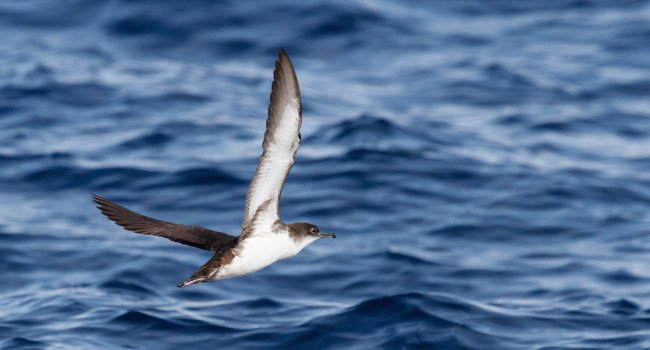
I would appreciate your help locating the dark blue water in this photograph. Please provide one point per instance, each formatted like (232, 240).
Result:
(485, 164)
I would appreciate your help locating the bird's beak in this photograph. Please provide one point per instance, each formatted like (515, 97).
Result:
(327, 235)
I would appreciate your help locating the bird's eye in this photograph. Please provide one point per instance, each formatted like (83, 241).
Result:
(314, 230)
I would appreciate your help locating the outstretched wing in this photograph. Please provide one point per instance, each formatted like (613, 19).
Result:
(194, 236)
(281, 142)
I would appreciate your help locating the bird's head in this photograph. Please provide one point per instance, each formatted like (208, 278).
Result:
(308, 231)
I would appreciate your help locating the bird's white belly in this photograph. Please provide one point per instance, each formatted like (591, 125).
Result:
(259, 252)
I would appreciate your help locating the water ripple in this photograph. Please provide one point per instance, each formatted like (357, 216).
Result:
(484, 165)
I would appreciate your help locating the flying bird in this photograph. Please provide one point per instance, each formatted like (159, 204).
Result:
(264, 238)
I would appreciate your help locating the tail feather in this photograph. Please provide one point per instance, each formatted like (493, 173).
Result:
(204, 273)
(190, 281)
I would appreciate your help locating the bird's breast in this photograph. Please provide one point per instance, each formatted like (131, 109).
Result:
(258, 252)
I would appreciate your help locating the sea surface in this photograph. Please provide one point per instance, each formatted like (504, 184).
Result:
(485, 165)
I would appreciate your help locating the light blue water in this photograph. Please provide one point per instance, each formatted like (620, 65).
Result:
(485, 164)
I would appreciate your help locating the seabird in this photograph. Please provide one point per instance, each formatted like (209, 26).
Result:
(264, 238)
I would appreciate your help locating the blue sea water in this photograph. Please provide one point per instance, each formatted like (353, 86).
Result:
(485, 164)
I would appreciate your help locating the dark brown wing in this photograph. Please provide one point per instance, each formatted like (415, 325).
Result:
(194, 236)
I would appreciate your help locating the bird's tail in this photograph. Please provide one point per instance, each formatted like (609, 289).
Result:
(205, 273)
(192, 280)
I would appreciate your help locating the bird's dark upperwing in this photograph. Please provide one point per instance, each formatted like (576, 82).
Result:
(281, 142)
(194, 236)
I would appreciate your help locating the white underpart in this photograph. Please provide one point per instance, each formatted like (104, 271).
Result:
(278, 158)
(260, 251)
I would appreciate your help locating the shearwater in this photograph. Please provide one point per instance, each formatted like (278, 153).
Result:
(264, 238)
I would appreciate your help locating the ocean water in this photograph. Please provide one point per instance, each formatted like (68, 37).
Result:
(485, 165)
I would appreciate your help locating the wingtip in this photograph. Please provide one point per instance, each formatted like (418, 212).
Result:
(105, 206)
(283, 56)
(100, 202)
(96, 198)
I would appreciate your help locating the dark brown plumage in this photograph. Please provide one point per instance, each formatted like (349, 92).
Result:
(195, 236)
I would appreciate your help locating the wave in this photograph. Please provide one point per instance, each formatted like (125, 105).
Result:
(105, 178)
(370, 133)
(483, 164)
